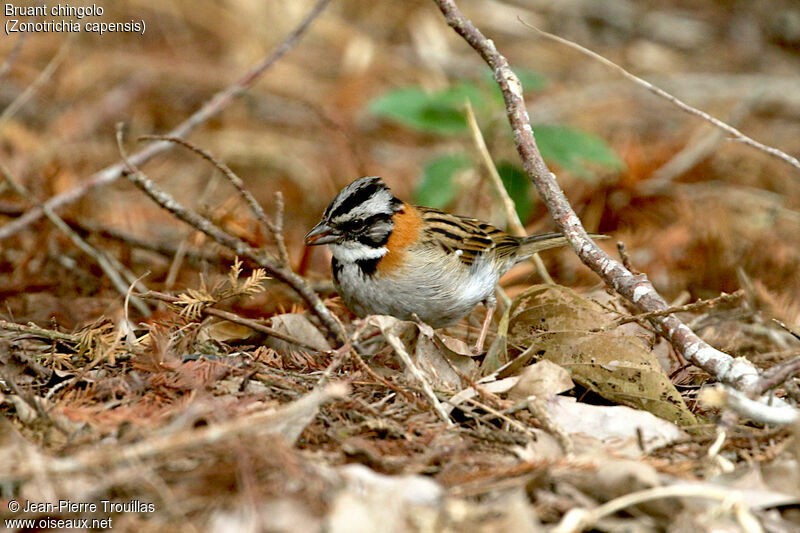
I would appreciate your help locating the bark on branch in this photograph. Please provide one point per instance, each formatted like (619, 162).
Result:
(737, 372)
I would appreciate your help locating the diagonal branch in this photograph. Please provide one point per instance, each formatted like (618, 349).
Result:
(217, 103)
(271, 226)
(238, 246)
(727, 128)
(636, 288)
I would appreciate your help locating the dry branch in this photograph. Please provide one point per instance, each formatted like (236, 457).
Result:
(272, 227)
(217, 103)
(233, 317)
(238, 246)
(636, 288)
(725, 397)
(36, 331)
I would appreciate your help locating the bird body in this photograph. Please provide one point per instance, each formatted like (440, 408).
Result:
(393, 258)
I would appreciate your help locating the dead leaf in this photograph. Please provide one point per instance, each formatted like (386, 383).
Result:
(555, 322)
(543, 379)
(376, 502)
(616, 429)
(439, 357)
(224, 330)
(298, 327)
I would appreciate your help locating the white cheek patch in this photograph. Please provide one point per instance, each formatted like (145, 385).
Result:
(349, 252)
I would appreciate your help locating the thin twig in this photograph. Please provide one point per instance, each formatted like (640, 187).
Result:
(36, 331)
(238, 246)
(236, 319)
(237, 182)
(383, 381)
(508, 204)
(626, 260)
(778, 374)
(694, 306)
(167, 250)
(40, 80)
(400, 350)
(698, 148)
(787, 328)
(12, 56)
(721, 396)
(635, 288)
(504, 417)
(727, 128)
(216, 104)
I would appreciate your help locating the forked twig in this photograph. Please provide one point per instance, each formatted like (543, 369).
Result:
(694, 306)
(238, 246)
(217, 103)
(236, 181)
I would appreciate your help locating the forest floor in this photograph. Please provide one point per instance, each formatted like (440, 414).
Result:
(152, 378)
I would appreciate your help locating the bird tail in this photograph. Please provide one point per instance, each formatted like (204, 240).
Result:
(536, 243)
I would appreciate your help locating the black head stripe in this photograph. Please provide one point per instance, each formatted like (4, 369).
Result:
(354, 195)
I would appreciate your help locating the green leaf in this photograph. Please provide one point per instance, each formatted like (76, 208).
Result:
(440, 112)
(518, 186)
(436, 188)
(575, 150)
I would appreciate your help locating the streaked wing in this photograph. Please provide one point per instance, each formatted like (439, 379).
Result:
(465, 236)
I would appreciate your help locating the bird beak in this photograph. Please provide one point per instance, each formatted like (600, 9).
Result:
(321, 234)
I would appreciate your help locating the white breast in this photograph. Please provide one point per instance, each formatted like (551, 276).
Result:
(438, 289)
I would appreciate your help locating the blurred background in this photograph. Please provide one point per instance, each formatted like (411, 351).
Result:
(379, 89)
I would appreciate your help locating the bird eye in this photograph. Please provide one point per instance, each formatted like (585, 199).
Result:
(358, 222)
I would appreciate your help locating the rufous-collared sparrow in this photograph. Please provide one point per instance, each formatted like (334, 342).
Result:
(393, 258)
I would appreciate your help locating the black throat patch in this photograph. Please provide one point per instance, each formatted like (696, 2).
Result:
(368, 266)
